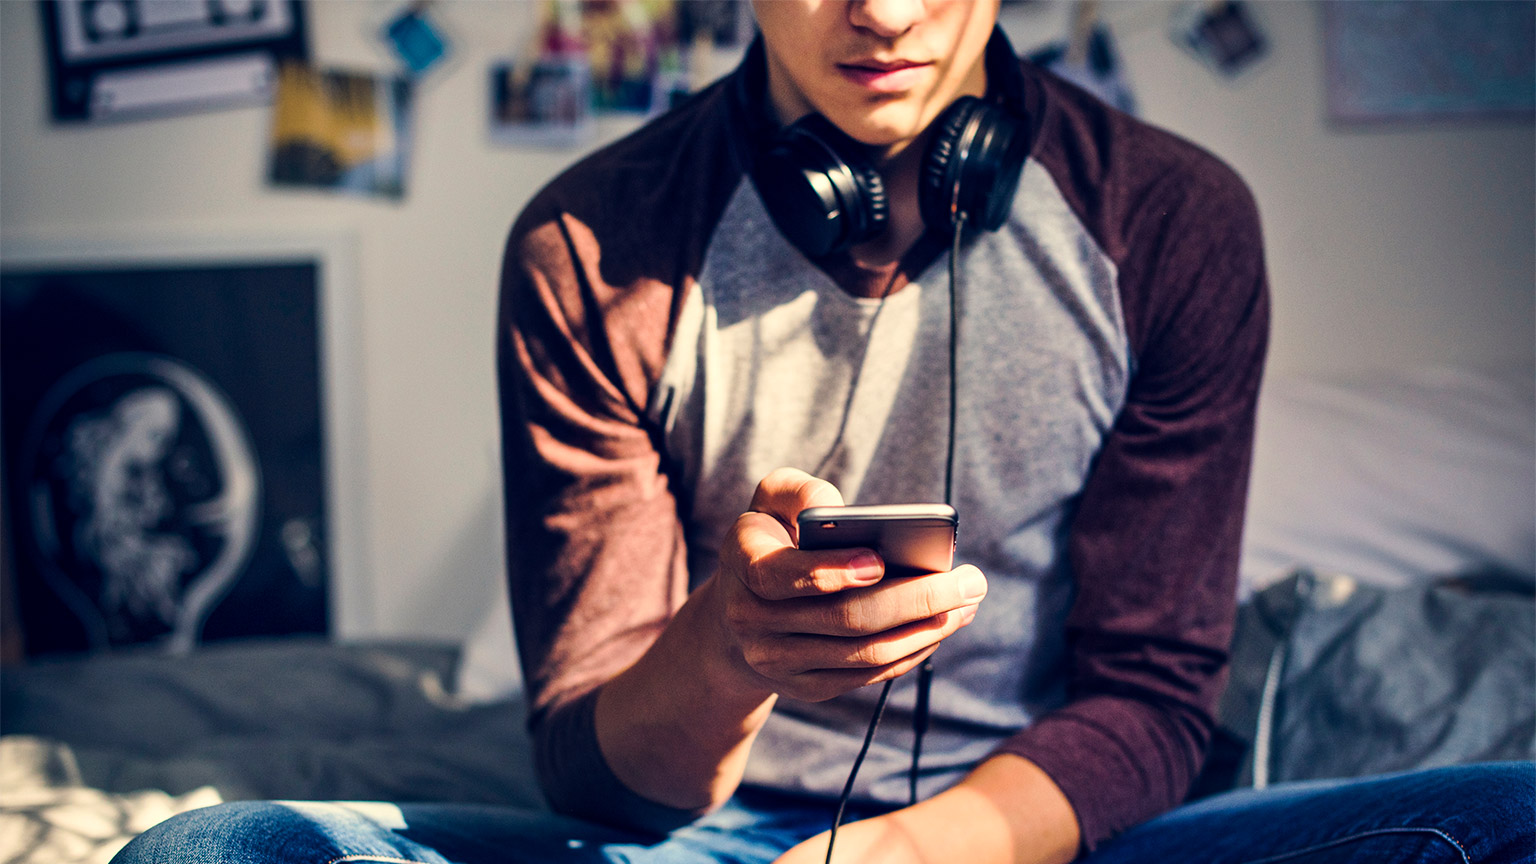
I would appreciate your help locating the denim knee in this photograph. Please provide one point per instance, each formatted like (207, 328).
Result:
(1465, 813)
(204, 835)
(1494, 812)
(273, 832)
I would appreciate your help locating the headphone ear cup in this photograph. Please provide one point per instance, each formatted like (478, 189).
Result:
(972, 166)
(936, 199)
(821, 190)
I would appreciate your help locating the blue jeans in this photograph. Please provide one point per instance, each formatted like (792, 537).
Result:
(1475, 813)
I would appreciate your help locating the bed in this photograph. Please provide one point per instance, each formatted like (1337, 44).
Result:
(1387, 622)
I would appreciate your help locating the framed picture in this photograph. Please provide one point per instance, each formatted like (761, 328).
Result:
(1412, 60)
(122, 59)
(181, 456)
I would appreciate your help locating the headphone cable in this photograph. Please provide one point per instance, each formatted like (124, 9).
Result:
(954, 359)
(925, 671)
(869, 736)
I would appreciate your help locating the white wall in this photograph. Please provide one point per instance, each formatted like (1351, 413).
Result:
(1411, 246)
(1387, 247)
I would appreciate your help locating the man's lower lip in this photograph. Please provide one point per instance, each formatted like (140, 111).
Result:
(883, 80)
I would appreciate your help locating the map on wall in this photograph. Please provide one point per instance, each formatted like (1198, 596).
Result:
(1406, 60)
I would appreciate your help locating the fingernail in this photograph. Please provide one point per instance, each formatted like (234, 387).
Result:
(866, 567)
(967, 615)
(973, 585)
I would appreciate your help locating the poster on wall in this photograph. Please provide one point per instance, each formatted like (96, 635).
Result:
(163, 454)
(124, 59)
(1412, 60)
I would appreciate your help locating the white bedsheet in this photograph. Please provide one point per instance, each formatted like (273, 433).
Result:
(49, 814)
(1393, 477)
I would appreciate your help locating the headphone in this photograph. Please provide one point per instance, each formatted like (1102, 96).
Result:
(825, 194)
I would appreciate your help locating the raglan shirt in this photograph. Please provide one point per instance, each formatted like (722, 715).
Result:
(661, 347)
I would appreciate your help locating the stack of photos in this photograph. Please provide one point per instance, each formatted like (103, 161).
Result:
(607, 56)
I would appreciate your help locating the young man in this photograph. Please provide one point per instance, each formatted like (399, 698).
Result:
(666, 349)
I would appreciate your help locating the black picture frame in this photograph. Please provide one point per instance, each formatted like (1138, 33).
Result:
(130, 59)
(215, 346)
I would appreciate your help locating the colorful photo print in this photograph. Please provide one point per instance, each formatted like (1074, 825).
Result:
(628, 42)
(341, 130)
(417, 38)
(543, 103)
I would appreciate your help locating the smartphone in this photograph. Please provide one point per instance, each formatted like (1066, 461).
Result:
(912, 539)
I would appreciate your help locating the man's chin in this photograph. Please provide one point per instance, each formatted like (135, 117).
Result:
(885, 126)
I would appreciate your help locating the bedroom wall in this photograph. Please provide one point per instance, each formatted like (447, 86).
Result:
(1393, 247)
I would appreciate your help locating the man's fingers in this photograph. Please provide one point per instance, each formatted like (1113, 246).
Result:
(799, 654)
(773, 570)
(890, 604)
(787, 491)
(820, 685)
(763, 555)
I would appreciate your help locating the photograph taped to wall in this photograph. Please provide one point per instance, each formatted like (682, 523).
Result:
(124, 59)
(1224, 35)
(543, 103)
(417, 38)
(629, 42)
(164, 458)
(721, 23)
(346, 131)
(1096, 67)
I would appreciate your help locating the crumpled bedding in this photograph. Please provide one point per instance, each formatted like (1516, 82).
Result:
(49, 814)
(1332, 677)
(95, 751)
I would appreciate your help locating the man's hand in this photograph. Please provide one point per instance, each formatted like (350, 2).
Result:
(812, 625)
(1006, 812)
(677, 726)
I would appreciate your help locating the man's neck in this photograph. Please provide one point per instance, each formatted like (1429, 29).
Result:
(904, 221)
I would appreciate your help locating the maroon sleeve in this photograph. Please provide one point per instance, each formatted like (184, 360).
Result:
(1155, 540)
(594, 548)
(593, 278)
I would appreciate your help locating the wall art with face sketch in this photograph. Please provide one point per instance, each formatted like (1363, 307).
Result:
(163, 454)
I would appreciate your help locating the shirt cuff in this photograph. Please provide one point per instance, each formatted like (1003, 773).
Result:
(578, 782)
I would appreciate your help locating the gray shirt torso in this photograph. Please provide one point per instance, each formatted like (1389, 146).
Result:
(765, 371)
